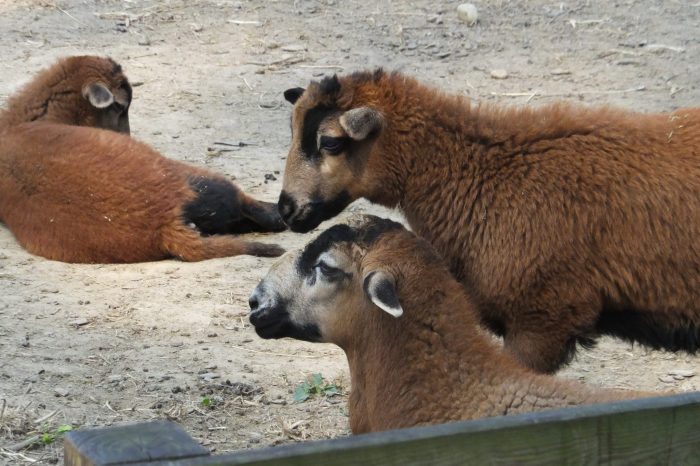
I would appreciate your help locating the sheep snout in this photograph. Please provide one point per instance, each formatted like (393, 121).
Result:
(306, 217)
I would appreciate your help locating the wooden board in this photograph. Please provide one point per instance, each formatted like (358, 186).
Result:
(150, 441)
(653, 431)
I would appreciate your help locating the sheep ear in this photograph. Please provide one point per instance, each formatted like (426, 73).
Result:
(381, 290)
(360, 122)
(293, 94)
(98, 95)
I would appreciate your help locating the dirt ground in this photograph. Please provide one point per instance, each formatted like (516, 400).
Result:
(96, 345)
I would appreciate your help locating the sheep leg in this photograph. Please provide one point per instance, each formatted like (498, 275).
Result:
(540, 350)
(546, 330)
(189, 246)
(264, 215)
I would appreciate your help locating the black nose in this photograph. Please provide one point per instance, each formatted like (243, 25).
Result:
(253, 303)
(286, 206)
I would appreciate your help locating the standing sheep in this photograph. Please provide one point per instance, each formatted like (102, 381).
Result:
(423, 361)
(565, 222)
(72, 192)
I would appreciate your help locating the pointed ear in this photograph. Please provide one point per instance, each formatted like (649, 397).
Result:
(380, 289)
(293, 94)
(360, 122)
(98, 95)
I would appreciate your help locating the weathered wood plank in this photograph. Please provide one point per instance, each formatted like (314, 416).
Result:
(654, 431)
(152, 441)
(651, 431)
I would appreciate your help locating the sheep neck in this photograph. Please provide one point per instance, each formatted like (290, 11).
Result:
(33, 102)
(417, 368)
(434, 364)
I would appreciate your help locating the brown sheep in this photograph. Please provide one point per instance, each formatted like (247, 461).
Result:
(81, 91)
(423, 361)
(82, 194)
(564, 222)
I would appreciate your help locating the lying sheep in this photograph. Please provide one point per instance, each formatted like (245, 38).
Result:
(75, 193)
(424, 360)
(566, 222)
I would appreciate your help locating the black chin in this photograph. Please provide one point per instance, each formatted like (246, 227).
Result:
(283, 328)
(316, 212)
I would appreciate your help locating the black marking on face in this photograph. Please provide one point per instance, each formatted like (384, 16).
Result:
(309, 256)
(309, 216)
(330, 85)
(286, 205)
(275, 322)
(309, 131)
(116, 67)
(374, 227)
(292, 95)
(216, 209)
(129, 92)
(365, 235)
(332, 145)
(330, 273)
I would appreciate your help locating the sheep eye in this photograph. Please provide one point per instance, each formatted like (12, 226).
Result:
(333, 146)
(328, 271)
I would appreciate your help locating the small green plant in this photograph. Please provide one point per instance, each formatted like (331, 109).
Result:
(211, 401)
(50, 436)
(314, 385)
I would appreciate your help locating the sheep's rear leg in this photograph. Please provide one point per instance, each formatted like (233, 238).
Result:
(189, 246)
(264, 215)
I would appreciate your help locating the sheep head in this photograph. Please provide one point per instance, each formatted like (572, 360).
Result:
(105, 91)
(335, 129)
(79, 90)
(338, 282)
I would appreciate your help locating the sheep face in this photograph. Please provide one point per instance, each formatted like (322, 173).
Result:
(106, 94)
(328, 161)
(320, 293)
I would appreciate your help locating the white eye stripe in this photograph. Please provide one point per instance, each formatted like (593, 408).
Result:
(327, 259)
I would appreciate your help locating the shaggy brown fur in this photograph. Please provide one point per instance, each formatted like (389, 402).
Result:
(60, 94)
(432, 364)
(565, 222)
(81, 194)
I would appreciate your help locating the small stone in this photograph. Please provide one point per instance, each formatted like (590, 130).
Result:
(255, 437)
(683, 373)
(209, 375)
(468, 14)
(80, 322)
(60, 391)
(196, 27)
(293, 48)
(667, 379)
(144, 40)
(176, 389)
(499, 74)
(559, 72)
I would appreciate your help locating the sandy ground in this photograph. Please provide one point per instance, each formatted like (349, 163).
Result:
(94, 345)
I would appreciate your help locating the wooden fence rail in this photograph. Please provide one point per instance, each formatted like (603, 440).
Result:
(653, 431)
